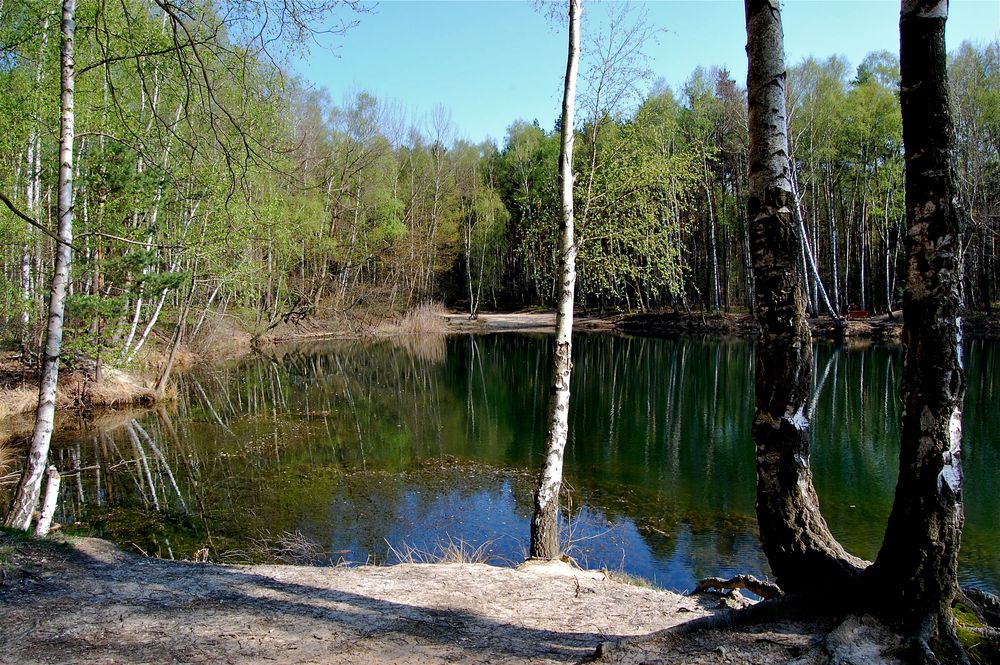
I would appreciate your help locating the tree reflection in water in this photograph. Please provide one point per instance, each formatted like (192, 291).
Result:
(359, 444)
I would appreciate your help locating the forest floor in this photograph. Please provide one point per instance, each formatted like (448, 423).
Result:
(85, 601)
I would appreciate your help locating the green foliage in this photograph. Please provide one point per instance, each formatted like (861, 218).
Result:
(166, 280)
(86, 306)
(266, 195)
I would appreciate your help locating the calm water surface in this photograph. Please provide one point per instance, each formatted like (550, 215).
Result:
(369, 449)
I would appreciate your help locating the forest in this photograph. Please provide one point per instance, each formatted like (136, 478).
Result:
(162, 170)
(209, 180)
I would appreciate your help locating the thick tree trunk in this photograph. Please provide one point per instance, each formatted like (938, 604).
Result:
(802, 553)
(26, 496)
(545, 523)
(915, 573)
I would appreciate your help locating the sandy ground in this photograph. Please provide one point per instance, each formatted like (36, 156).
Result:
(86, 601)
(89, 602)
(521, 322)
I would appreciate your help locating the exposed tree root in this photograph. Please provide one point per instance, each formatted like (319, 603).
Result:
(939, 630)
(763, 611)
(985, 631)
(858, 638)
(766, 590)
(985, 605)
(980, 637)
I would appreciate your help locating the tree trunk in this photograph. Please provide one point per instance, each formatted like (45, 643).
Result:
(26, 495)
(810, 258)
(802, 553)
(545, 523)
(50, 502)
(831, 211)
(915, 573)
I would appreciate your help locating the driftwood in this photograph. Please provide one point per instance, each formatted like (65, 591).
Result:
(764, 589)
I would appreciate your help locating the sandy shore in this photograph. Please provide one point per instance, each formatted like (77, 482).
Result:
(89, 602)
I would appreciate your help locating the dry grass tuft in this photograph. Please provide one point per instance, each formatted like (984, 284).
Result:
(286, 548)
(454, 551)
(420, 331)
(7, 457)
(424, 319)
(77, 389)
(17, 400)
(117, 389)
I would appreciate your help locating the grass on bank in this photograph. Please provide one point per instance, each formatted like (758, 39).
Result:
(425, 319)
(455, 550)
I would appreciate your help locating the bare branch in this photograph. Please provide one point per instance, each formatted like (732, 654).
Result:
(41, 227)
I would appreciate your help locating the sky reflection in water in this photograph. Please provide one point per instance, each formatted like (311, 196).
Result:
(421, 442)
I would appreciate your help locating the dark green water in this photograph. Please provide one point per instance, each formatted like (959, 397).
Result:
(360, 446)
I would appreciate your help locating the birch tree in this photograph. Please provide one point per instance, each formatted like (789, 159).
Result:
(799, 546)
(545, 522)
(915, 576)
(29, 486)
(916, 572)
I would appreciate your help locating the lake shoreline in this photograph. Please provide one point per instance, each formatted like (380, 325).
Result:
(444, 629)
(85, 600)
(884, 328)
(121, 389)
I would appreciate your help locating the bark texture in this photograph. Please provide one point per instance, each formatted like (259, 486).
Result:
(28, 488)
(545, 522)
(803, 554)
(915, 574)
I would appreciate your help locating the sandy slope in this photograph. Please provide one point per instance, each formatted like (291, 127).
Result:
(92, 603)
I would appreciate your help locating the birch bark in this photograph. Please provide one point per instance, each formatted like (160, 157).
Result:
(28, 488)
(802, 552)
(545, 523)
(916, 569)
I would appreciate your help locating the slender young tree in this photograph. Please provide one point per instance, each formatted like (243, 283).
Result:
(545, 523)
(802, 552)
(26, 495)
(916, 572)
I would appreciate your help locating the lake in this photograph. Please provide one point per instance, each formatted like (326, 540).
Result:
(376, 451)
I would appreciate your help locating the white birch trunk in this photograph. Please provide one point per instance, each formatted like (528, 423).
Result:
(26, 496)
(51, 499)
(163, 293)
(33, 194)
(545, 523)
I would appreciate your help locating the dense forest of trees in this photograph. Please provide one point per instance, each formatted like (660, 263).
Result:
(173, 171)
(208, 181)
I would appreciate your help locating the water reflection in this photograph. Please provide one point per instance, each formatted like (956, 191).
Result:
(361, 445)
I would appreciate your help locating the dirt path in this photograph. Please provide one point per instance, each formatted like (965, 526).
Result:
(91, 603)
(522, 322)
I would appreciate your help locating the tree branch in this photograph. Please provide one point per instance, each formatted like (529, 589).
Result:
(14, 209)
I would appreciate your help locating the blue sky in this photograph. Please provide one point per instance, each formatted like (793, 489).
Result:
(491, 62)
